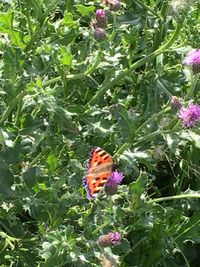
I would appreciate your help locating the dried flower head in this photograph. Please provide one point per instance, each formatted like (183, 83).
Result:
(112, 238)
(175, 102)
(109, 261)
(99, 34)
(190, 115)
(101, 18)
(180, 6)
(193, 59)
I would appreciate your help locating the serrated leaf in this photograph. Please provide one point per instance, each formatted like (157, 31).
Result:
(85, 11)
(6, 26)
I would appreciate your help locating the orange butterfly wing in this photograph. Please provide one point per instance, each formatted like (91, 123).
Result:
(98, 171)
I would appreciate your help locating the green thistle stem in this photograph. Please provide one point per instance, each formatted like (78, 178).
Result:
(141, 3)
(114, 27)
(182, 196)
(11, 107)
(194, 80)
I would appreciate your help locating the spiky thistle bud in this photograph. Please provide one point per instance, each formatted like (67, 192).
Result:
(99, 34)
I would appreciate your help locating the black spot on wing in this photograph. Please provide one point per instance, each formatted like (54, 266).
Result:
(102, 183)
(96, 191)
(98, 149)
(103, 154)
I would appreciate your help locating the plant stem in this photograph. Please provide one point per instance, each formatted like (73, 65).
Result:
(11, 107)
(59, 78)
(188, 229)
(121, 150)
(114, 27)
(141, 3)
(194, 80)
(182, 196)
(18, 113)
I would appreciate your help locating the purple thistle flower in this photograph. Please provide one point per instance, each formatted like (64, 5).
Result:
(112, 238)
(190, 115)
(193, 59)
(99, 34)
(115, 179)
(113, 182)
(101, 18)
(115, 238)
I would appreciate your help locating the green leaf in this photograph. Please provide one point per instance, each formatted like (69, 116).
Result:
(136, 189)
(30, 176)
(52, 161)
(85, 11)
(6, 26)
(6, 181)
(68, 20)
(66, 57)
(63, 115)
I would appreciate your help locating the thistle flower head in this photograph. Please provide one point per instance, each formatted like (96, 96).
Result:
(115, 179)
(112, 238)
(101, 18)
(100, 13)
(113, 182)
(115, 238)
(99, 34)
(190, 115)
(193, 59)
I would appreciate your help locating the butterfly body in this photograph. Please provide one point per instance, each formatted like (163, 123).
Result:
(98, 171)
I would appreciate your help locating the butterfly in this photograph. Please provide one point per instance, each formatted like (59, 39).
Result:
(98, 171)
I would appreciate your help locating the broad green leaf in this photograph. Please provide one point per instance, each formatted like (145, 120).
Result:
(6, 182)
(85, 11)
(66, 58)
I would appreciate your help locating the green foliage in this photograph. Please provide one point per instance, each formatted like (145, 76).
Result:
(62, 93)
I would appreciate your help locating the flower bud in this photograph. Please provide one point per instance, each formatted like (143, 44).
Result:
(175, 102)
(111, 190)
(99, 34)
(101, 18)
(115, 5)
(193, 59)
